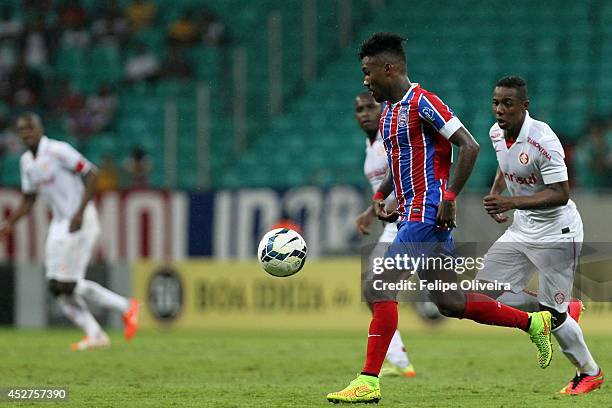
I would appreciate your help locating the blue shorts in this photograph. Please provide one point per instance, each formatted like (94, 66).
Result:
(424, 239)
(412, 231)
(416, 240)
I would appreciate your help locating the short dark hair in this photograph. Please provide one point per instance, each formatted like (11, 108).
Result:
(515, 82)
(30, 116)
(383, 43)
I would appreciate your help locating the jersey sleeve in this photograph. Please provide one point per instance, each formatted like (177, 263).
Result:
(438, 114)
(552, 161)
(71, 159)
(27, 186)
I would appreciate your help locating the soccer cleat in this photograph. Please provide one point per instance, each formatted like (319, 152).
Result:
(392, 370)
(363, 389)
(90, 343)
(540, 334)
(583, 384)
(575, 309)
(130, 320)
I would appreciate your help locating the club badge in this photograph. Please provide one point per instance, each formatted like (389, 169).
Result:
(402, 117)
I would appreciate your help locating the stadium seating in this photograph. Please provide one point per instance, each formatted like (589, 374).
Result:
(564, 50)
(551, 45)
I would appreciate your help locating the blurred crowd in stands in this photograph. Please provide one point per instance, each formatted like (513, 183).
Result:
(29, 44)
(31, 39)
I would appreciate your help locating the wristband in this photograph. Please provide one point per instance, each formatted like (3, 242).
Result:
(378, 196)
(449, 195)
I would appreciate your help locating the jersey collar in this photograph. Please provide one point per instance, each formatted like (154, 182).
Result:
(406, 96)
(525, 128)
(42, 145)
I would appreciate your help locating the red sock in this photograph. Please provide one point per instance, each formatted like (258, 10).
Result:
(382, 327)
(483, 309)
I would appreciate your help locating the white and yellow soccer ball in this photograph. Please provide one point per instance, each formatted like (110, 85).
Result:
(282, 252)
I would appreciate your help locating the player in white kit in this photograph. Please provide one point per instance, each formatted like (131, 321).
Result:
(546, 233)
(367, 113)
(55, 170)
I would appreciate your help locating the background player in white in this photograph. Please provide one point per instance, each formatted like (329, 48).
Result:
(546, 233)
(56, 171)
(367, 113)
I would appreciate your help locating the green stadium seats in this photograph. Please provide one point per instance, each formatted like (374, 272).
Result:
(461, 63)
(105, 65)
(564, 49)
(9, 170)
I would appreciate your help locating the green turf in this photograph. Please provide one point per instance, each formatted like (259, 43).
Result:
(296, 369)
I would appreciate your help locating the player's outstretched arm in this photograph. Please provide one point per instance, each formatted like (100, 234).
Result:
(91, 179)
(498, 187)
(27, 201)
(554, 195)
(468, 152)
(378, 200)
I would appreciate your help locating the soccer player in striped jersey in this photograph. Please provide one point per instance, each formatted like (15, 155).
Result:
(418, 129)
(375, 167)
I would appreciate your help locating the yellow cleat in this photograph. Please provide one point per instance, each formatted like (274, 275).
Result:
(540, 334)
(363, 389)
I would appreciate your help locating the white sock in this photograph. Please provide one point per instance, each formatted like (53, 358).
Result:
(75, 309)
(98, 294)
(571, 342)
(523, 301)
(396, 354)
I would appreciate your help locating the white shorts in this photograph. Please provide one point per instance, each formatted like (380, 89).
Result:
(67, 255)
(389, 232)
(514, 258)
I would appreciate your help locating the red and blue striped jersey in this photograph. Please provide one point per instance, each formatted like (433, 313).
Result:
(415, 133)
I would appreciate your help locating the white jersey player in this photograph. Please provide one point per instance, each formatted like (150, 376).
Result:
(367, 113)
(546, 234)
(55, 170)
(375, 168)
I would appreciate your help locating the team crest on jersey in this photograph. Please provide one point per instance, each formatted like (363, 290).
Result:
(429, 113)
(523, 158)
(402, 117)
(559, 298)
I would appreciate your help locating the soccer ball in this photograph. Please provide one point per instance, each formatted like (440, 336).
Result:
(282, 252)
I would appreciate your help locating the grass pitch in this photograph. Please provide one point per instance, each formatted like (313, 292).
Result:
(290, 369)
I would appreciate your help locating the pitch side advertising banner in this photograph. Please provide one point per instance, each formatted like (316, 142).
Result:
(175, 225)
(209, 294)
(325, 295)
